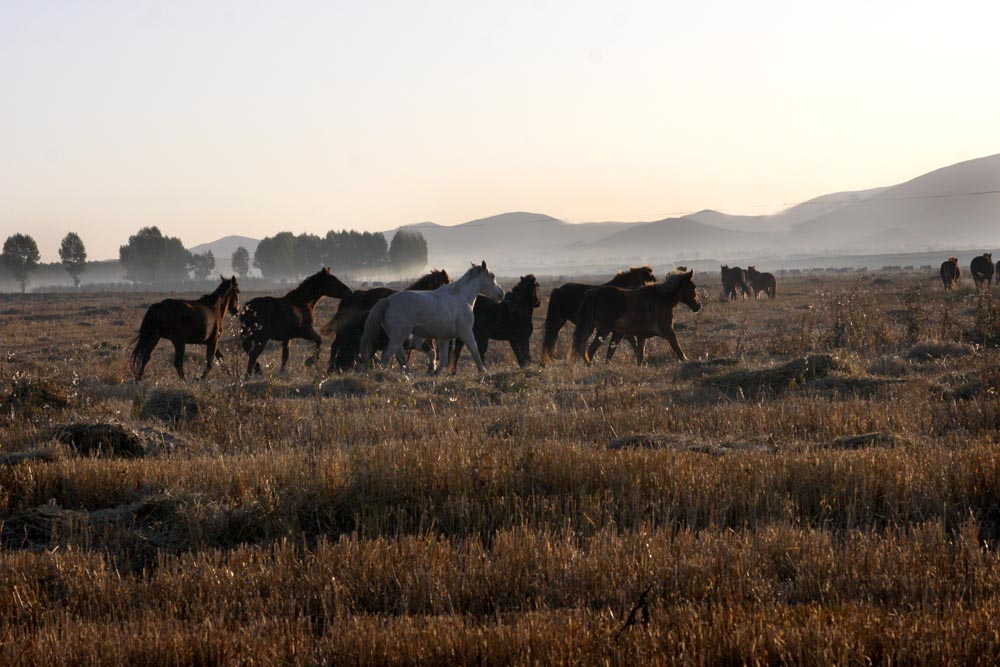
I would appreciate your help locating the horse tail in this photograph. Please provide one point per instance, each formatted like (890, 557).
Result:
(586, 322)
(149, 336)
(372, 326)
(553, 323)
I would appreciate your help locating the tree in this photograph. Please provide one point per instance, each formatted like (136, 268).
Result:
(241, 262)
(20, 256)
(202, 265)
(408, 251)
(150, 254)
(74, 256)
(275, 255)
(308, 253)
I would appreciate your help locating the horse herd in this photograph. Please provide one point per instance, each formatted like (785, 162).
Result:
(435, 315)
(981, 268)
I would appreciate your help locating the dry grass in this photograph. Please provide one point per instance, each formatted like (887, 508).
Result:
(820, 484)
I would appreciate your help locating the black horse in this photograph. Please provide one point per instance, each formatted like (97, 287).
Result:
(508, 320)
(291, 316)
(565, 300)
(982, 269)
(197, 322)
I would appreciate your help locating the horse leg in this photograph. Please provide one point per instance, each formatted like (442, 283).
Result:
(258, 345)
(443, 346)
(455, 354)
(179, 359)
(596, 343)
(470, 342)
(318, 340)
(616, 338)
(640, 351)
(483, 346)
(284, 355)
(147, 352)
(671, 337)
(211, 350)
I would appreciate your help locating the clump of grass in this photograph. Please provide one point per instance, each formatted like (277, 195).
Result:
(101, 440)
(928, 350)
(170, 405)
(29, 397)
(777, 379)
(986, 326)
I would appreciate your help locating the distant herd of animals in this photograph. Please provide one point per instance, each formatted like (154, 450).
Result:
(440, 317)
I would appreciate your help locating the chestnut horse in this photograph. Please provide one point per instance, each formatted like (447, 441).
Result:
(644, 312)
(269, 318)
(196, 322)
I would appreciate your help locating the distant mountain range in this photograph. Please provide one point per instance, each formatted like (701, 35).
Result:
(952, 207)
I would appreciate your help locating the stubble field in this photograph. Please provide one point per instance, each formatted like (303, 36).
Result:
(820, 483)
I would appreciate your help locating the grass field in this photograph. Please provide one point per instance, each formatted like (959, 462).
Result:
(819, 484)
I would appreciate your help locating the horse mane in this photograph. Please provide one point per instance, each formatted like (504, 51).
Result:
(673, 281)
(645, 267)
(472, 272)
(306, 284)
(430, 279)
(217, 293)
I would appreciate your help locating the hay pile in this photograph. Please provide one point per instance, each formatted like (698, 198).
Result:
(107, 440)
(30, 397)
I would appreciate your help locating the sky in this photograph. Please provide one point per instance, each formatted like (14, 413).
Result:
(217, 118)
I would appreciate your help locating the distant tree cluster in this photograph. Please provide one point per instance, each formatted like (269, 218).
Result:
(150, 256)
(20, 257)
(286, 255)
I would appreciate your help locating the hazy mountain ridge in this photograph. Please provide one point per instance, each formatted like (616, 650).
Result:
(954, 206)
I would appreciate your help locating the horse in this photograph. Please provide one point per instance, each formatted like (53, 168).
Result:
(269, 318)
(196, 322)
(363, 300)
(733, 278)
(564, 302)
(509, 320)
(643, 313)
(349, 321)
(982, 269)
(761, 282)
(442, 314)
(950, 273)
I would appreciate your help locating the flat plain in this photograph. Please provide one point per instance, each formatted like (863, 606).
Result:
(819, 483)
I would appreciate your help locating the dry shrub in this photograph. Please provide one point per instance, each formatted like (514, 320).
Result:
(29, 397)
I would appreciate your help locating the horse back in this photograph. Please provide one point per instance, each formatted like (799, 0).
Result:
(182, 321)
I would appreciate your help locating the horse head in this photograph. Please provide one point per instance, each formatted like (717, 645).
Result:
(330, 285)
(687, 291)
(231, 294)
(528, 291)
(488, 285)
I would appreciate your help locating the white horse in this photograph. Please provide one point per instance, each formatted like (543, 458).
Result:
(442, 314)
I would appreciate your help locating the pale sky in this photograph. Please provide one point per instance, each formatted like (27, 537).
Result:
(217, 118)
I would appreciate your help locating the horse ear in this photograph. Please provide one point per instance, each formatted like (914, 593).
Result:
(690, 274)
(222, 278)
(484, 265)
(326, 269)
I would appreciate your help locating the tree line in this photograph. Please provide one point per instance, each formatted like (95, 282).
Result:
(287, 255)
(150, 256)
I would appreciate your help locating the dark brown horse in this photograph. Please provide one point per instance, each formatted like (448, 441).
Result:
(564, 302)
(734, 283)
(982, 269)
(269, 318)
(197, 322)
(643, 313)
(950, 273)
(761, 282)
(508, 320)
(349, 321)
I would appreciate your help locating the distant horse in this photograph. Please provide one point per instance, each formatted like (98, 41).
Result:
(509, 320)
(734, 279)
(761, 282)
(197, 322)
(643, 313)
(352, 313)
(269, 318)
(950, 273)
(564, 302)
(982, 269)
(442, 314)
